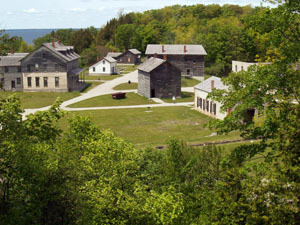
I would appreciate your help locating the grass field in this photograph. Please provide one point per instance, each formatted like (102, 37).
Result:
(144, 128)
(91, 85)
(32, 100)
(101, 77)
(126, 86)
(124, 69)
(189, 82)
(107, 100)
(185, 97)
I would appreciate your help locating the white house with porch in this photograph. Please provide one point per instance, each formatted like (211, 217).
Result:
(206, 105)
(107, 65)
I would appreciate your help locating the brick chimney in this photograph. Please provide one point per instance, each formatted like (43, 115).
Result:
(166, 57)
(53, 43)
(163, 48)
(212, 84)
(155, 55)
(184, 49)
(12, 51)
(228, 111)
(98, 58)
(113, 50)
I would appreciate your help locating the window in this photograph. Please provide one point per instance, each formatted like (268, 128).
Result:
(29, 81)
(103, 69)
(103, 61)
(129, 60)
(203, 106)
(94, 69)
(37, 81)
(210, 108)
(36, 67)
(215, 108)
(242, 68)
(45, 81)
(2, 81)
(235, 68)
(18, 80)
(28, 68)
(44, 55)
(199, 102)
(45, 67)
(56, 81)
(6, 69)
(207, 106)
(188, 72)
(19, 69)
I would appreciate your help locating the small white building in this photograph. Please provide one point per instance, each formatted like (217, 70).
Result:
(204, 104)
(238, 66)
(107, 65)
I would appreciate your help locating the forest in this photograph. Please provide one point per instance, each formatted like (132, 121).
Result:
(87, 175)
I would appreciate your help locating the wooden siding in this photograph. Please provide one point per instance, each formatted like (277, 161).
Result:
(128, 58)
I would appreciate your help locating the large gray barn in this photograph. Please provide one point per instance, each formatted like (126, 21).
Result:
(159, 78)
(188, 58)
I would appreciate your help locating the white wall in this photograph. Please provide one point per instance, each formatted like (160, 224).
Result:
(238, 66)
(99, 67)
(203, 95)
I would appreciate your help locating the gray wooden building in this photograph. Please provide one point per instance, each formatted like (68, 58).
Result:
(131, 56)
(51, 67)
(189, 58)
(10, 72)
(159, 78)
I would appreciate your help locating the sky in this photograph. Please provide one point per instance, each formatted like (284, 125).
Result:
(39, 14)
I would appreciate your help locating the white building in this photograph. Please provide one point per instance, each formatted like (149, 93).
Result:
(107, 65)
(238, 66)
(204, 104)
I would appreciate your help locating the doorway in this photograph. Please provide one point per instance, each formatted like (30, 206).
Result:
(13, 84)
(152, 93)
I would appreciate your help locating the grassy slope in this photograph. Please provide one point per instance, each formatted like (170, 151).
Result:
(91, 85)
(31, 100)
(107, 100)
(155, 127)
(126, 86)
(102, 77)
(189, 82)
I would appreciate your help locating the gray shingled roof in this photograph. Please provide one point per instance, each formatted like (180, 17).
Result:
(76, 71)
(206, 84)
(12, 59)
(114, 54)
(134, 51)
(110, 59)
(66, 52)
(175, 50)
(151, 64)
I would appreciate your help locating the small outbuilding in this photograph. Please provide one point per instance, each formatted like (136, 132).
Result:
(159, 78)
(107, 65)
(206, 105)
(131, 56)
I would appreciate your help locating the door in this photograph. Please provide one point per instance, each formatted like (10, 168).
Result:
(152, 93)
(13, 84)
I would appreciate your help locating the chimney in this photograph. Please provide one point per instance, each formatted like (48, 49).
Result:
(12, 51)
(53, 44)
(212, 84)
(58, 40)
(184, 49)
(228, 111)
(155, 55)
(166, 57)
(113, 50)
(98, 58)
(163, 48)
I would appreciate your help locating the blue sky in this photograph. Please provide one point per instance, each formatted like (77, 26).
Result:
(25, 14)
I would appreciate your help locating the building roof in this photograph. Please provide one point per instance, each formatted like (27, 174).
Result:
(151, 64)
(114, 54)
(206, 84)
(76, 71)
(65, 52)
(12, 59)
(175, 49)
(110, 59)
(134, 51)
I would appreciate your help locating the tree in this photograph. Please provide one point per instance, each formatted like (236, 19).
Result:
(124, 35)
(81, 40)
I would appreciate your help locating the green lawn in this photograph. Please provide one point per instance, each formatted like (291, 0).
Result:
(124, 69)
(90, 86)
(32, 100)
(189, 82)
(107, 100)
(101, 77)
(126, 86)
(185, 97)
(154, 128)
